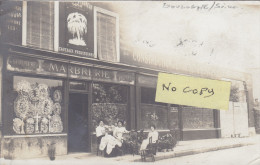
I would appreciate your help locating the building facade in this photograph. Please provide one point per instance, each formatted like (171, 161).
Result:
(64, 67)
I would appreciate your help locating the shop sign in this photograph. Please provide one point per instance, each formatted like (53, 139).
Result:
(76, 28)
(144, 58)
(47, 67)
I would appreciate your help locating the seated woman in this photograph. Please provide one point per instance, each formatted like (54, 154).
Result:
(154, 137)
(119, 131)
(100, 131)
(109, 143)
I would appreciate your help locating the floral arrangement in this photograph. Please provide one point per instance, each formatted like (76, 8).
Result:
(34, 105)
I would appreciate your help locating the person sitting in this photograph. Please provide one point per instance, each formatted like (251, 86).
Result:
(110, 144)
(153, 135)
(100, 131)
(119, 131)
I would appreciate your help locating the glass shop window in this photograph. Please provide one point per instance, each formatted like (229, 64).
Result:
(109, 103)
(153, 113)
(197, 118)
(40, 24)
(36, 106)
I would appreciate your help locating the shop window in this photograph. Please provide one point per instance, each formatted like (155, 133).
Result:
(40, 24)
(35, 106)
(153, 113)
(197, 118)
(109, 103)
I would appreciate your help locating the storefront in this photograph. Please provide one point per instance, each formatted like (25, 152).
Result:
(46, 101)
(57, 84)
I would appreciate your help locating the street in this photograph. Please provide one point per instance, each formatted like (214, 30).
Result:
(248, 155)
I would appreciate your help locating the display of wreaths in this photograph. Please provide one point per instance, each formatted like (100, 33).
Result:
(34, 101)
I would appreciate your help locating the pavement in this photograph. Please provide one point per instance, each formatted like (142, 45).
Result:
(183, 148)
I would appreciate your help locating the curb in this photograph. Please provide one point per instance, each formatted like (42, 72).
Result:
(193, 152)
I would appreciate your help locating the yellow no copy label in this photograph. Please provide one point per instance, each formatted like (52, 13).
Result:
(192, 91)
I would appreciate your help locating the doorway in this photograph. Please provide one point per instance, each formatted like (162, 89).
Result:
(78, 131)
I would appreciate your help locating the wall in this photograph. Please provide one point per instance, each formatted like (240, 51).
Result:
(32, 147)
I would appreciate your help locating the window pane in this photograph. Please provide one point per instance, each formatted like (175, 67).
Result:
(148, 96)
(106, 37)
(37, 104)
(154, 115)
(196, 118)
(153, 112)
(40, 24)
(109, 103)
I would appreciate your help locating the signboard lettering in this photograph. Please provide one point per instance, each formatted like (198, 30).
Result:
(46, 67)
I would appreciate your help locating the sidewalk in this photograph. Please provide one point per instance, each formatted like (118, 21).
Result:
(183, 148)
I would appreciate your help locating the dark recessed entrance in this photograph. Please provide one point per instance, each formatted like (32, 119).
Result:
(78, 123)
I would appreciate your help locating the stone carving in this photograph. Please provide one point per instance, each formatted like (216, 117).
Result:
(35, 107)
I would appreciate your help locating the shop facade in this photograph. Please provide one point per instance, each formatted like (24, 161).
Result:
(56, 87)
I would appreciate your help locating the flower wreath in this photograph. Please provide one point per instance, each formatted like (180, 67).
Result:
(46, 107)
(57, 97)
(56, 108)
(23, 87)
(43, 91)
(34, 94)
(56, 124)
(17, 124)
(21, 106)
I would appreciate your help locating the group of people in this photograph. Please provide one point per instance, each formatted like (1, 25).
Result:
(111, 140)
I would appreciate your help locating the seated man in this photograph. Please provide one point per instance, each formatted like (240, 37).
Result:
(109, 143)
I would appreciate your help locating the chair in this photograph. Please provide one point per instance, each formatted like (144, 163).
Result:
(150, 151)
(98, 150)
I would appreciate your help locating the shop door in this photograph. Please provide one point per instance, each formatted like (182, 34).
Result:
(78, 123)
